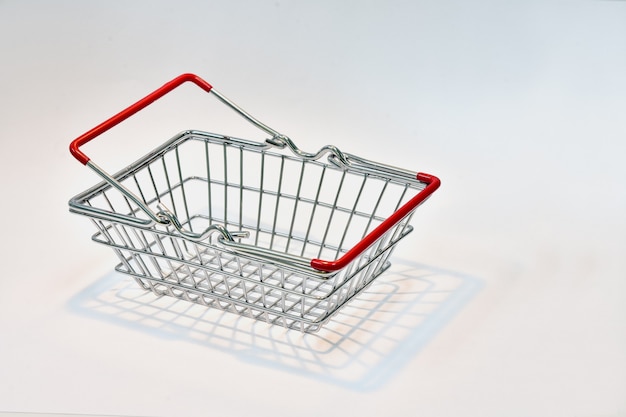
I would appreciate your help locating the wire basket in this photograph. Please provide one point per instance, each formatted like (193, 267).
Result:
(261, 229)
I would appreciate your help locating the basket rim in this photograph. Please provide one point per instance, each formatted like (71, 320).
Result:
(425, 183)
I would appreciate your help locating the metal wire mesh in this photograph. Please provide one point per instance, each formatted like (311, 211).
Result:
(291, 208)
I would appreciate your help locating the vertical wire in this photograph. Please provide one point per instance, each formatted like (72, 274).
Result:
(176, 247)
(406, 187)
(182, 189)
(124, 261)
(401, 227)
(379, 262)
(157, 239)
(169, 185)
(283, 302)
(208, 179)
(171, 192)
(142, 264)
(140, 190)
(356, 202)
(130, 207)
(190, 273)
(198, 254)
(240, 188)
(317, 196)
(106, 198)
(104, 231)
(295, 207)
(258, 219)
(128, 238)
(242, 283)
(369, 222)
(225, 187)
(403, 223)
(159, 242)
(139, 234)
(207, 278)
(128, 242)
(179, 255)
(332, 213)
(278, 197)
(263, 287)
(156, 191)
(114, 225)
(391, 235)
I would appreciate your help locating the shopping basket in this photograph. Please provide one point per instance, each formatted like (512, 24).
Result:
(261, 229)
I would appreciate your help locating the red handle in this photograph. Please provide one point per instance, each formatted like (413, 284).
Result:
(126, 113)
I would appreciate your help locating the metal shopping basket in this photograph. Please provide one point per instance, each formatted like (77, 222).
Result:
(264, 230)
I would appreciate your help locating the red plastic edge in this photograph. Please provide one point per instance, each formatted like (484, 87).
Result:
(329, 266)
(126, 113)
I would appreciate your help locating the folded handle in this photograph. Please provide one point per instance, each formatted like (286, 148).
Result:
(129, 111)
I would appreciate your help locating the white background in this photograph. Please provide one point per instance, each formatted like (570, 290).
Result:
(519, 107)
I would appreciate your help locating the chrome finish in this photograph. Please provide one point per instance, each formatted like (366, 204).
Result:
(338, 157)
(129, 194)
(233, 224)
(244, 113)
(169, 218)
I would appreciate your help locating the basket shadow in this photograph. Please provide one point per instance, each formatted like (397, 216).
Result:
(362, 347)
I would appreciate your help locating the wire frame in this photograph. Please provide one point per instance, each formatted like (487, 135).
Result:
(290, 207)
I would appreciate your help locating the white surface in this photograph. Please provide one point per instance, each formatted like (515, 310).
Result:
(511, 297)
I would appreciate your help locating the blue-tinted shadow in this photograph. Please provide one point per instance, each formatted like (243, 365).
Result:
(361, 348)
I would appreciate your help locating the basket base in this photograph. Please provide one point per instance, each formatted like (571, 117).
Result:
(167, 264)
(161, 288)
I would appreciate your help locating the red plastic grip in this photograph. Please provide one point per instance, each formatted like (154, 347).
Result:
(126, 113)
(328, 266)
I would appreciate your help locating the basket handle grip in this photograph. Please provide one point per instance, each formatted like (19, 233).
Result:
(277, 139)
(129, 111)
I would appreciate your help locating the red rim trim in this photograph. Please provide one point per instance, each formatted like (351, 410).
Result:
(329, 266)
